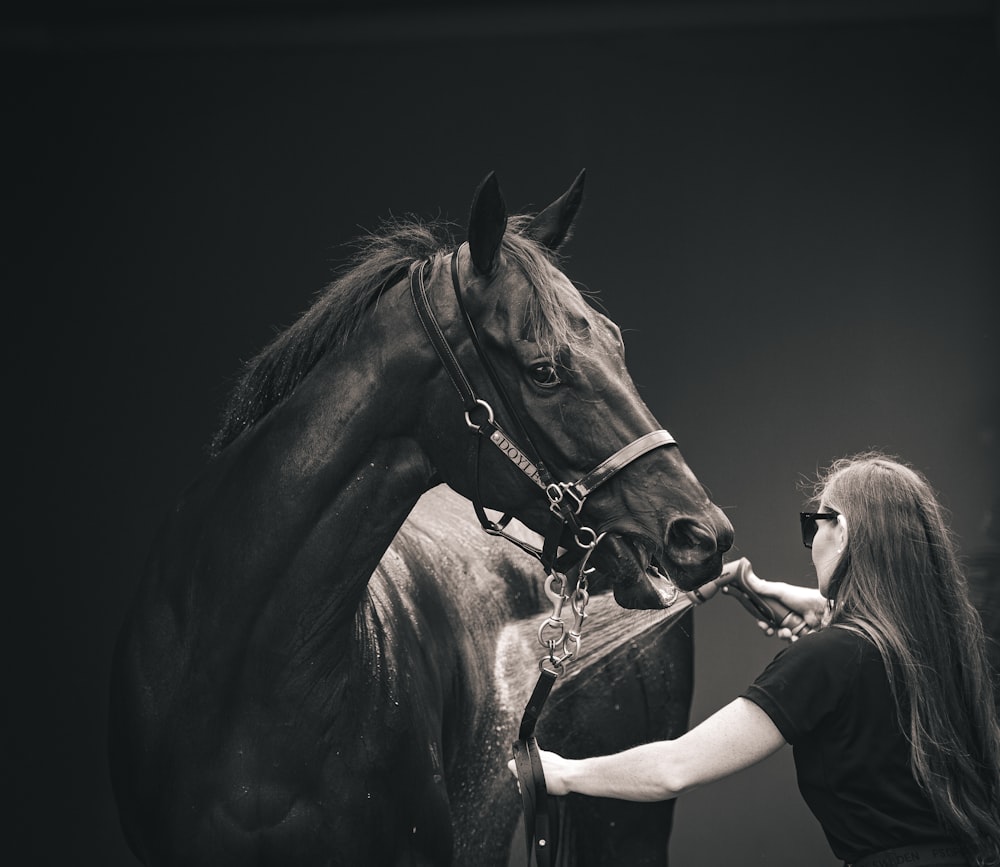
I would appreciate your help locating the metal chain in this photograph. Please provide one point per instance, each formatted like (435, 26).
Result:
(563, 643)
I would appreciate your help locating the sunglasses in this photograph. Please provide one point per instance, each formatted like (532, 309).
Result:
(809, 522)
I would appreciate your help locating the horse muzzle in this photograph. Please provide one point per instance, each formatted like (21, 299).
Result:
(646, 578)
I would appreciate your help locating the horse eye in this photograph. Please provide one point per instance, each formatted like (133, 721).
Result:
(544, 374)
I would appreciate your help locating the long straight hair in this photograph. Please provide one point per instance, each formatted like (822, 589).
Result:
(899, 582)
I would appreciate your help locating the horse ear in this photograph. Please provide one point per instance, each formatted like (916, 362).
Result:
(553, 225)
(487, 223)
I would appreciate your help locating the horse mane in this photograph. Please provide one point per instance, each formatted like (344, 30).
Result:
(380, 259)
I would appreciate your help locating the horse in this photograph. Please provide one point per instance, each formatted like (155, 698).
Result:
(295, 681)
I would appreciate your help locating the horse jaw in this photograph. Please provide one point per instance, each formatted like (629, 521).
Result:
(640, 581)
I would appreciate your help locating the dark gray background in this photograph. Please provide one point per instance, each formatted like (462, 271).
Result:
(792, 211)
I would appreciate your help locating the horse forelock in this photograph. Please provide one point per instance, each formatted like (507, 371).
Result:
(550, 318)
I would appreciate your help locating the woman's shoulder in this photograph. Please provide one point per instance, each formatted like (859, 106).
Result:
(843, 635)
(809, 679)
(835, 642)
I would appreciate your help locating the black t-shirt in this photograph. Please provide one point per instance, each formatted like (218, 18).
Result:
(828, 695)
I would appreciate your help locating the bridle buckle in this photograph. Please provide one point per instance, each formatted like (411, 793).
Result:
(563, 495)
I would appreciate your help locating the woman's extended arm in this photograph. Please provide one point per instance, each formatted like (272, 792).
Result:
(735, 737)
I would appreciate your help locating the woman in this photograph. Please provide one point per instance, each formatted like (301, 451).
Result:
(888, 704)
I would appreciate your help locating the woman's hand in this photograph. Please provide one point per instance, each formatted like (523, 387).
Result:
(556, 770)
(735, 737)
(806, 604)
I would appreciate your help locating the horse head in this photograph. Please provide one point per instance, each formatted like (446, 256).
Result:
(543, 373)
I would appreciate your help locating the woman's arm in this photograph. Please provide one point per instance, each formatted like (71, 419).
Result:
(735, 737)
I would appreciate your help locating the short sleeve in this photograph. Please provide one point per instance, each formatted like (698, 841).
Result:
(807, 680)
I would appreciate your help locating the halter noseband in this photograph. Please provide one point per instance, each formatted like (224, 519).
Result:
(566, 499)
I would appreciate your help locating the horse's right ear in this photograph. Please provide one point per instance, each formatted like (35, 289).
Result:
(487, 223)
(552, 226)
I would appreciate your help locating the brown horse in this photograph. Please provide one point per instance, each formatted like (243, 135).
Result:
(287, 687)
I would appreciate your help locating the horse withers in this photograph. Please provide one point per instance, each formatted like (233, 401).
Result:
(274, 703)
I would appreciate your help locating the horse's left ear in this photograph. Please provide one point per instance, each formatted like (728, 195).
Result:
(552, 226)
(487, 223)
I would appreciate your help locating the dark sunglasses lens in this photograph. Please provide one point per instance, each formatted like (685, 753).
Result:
(809, 527)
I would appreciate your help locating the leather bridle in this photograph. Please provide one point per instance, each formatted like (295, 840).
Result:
(566, 501)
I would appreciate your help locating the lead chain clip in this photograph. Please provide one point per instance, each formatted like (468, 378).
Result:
(563, 644)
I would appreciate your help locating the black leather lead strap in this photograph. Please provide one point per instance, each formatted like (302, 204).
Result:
(540, 812)
(533, 709)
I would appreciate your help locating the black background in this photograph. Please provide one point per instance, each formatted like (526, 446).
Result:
(792, 210)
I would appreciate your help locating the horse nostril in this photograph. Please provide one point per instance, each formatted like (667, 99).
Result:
(690, 542)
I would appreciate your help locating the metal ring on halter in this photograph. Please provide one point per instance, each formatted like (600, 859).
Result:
(489, 415)
(592, 543)
(555, 626)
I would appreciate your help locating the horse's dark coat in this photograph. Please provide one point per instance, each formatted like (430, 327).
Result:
(304, 679)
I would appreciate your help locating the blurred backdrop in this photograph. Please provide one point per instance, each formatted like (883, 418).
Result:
(792, 211)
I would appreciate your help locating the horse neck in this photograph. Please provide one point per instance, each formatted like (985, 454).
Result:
(337, 467)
